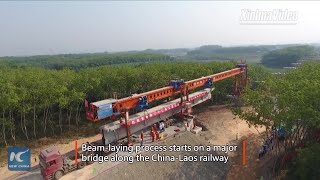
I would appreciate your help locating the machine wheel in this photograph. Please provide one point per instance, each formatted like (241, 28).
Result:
(81, 165)
(58, 174)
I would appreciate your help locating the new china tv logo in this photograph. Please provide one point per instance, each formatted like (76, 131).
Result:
(19, 159)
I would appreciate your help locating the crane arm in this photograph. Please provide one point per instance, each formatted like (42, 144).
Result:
(110, 107)
(196, 83)
(132, 101)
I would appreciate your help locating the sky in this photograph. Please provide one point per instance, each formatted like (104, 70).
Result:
(58, 27)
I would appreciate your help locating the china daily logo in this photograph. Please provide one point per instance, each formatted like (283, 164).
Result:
(19, 159)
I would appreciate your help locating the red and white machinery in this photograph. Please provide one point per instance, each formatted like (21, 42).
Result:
(116, 130)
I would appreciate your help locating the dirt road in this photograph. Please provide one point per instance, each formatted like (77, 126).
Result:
(223, 125)
(171, 170)
(223, 128)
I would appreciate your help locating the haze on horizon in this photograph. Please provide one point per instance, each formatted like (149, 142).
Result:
(58, 27)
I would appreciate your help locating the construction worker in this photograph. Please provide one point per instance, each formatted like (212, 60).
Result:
(160, 127)
(155, 127)
(103, 140)
(157, 135)
(163, 127)
(141, 138)
(271, 141)
(121, 119)
(261, 152)
(152, 135)
(265, 147)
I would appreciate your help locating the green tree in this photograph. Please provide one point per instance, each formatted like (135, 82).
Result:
(290, 101)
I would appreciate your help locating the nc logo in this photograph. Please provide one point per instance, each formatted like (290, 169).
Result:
(19, 159)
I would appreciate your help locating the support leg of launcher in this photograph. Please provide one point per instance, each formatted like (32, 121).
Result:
(190, 120)
(127, 128)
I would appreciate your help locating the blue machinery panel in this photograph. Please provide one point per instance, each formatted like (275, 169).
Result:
(242, 66)
(105, 110)
(176, 83)
(209, 83)
(143, 103)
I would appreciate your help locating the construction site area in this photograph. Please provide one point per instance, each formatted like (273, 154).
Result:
(222, 128)
(188, 121)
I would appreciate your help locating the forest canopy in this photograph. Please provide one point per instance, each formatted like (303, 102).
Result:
(287, 56)
(289, 101)
(37, 102)
(79, 61)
